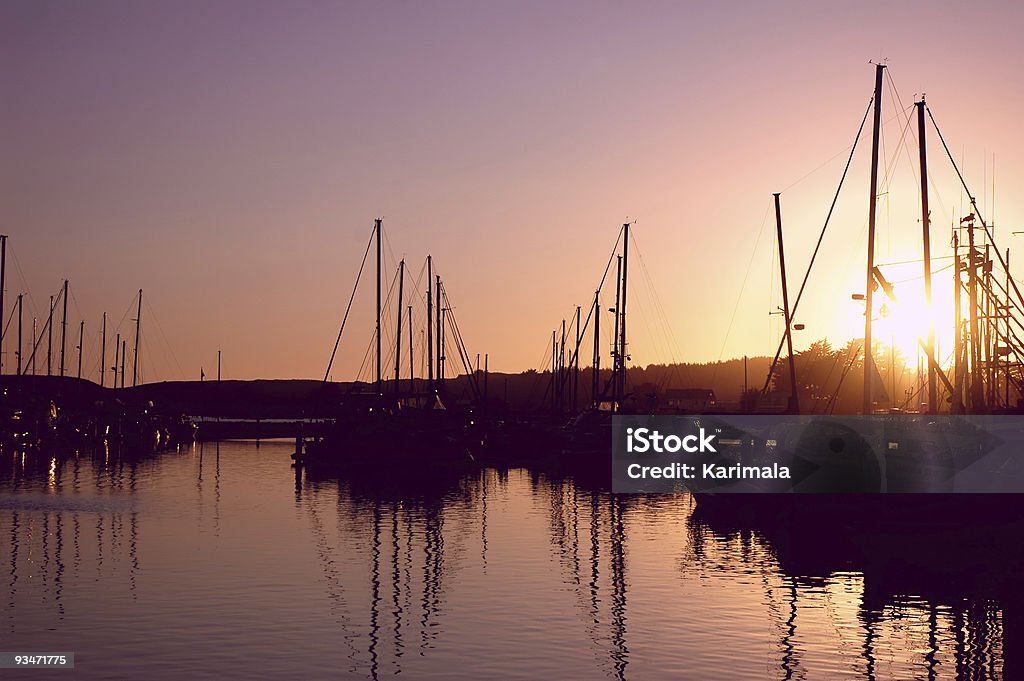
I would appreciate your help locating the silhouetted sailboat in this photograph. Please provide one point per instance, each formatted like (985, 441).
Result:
(394, 432)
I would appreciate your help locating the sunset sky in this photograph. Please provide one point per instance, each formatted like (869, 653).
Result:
(229, 158)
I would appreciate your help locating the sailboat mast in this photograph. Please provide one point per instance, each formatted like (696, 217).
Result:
(81, 339)
(622, 325)
(562, 373)
(1006, 367)
(977, 398)
(3, 284)
(117, 354)
(576, 364)
(794, 397)
(933, 403)
(412, 371)
(430, 323)
(869, 360)
(615, 336)
(595, 377)
(377, 233)
(439, 326)
(20, 321)
(398, 332)
(958, 338)
(49, 340)
(135, 359)
(64, 327)
(103, 349)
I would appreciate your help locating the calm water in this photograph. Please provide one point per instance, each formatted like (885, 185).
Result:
(214, 562)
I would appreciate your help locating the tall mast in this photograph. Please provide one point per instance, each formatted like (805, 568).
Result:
(135, 359)
(376, 229)
(794, 396)
(869, 360)
(398, 332)
(443, 335)
(562, 375)
(486, 373)
(439, 313)
(20, 310)
(64, 327)
(430, 322)
(615, 336)
(554, 368)
(81, 338)
(124, 351)
(958, 337)
(103, 349)
(576, 364)
(412, 370)
(933, 402)
(32, 359)
(1006, 377)
(977, 398)
(3, 285)
(49, 340)
(595, 377)
(622, 324)
(117, 355)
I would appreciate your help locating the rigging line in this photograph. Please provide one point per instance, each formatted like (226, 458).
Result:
(838, 154)
(821, 237)
(46, 325)
(344, 319)
(671, 342)
(131, 306)
(386, 321)
(974, 203)
(896, 97)
(920, 276)
(373, 338)
(743, 285)
(590, 313)
(33, 308)
(890, 167)
(914, 262)
(163, 336)
(460, 346)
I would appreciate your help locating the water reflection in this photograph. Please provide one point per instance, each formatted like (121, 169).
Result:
(903, 601)
(498, 574)
(44, 497)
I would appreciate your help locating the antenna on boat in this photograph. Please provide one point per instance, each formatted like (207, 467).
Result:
(869, 362)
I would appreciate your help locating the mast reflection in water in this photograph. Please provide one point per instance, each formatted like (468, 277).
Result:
(212, 559)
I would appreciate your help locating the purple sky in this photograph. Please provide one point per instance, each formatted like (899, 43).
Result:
(229, 158)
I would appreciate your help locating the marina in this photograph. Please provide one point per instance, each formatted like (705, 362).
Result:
(511, 341)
